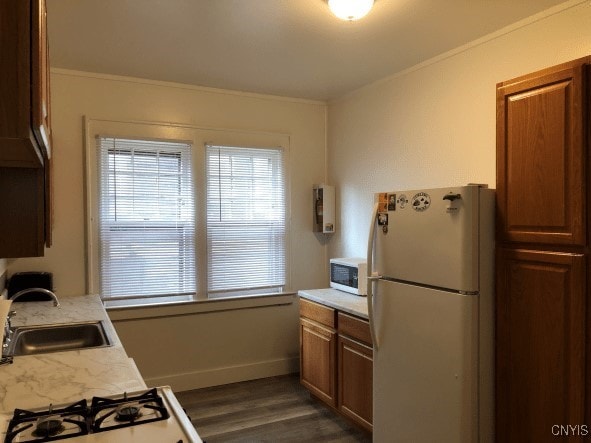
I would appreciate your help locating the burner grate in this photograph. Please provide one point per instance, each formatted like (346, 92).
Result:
(49, 425)
(106, 413)
(78, 419)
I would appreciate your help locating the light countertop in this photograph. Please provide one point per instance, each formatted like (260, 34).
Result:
(343, 301)
(64, 377)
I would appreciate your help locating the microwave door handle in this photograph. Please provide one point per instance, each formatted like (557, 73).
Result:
(372, 277)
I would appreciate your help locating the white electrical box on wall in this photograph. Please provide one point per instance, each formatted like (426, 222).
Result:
(324, 208)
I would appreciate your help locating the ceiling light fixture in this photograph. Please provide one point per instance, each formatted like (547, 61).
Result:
(350, 9)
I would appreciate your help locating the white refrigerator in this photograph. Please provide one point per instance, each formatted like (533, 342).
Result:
(430, 298)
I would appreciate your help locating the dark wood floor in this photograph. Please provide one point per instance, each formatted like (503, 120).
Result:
(276, 409)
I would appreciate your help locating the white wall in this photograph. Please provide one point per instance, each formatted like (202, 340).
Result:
(434, 125)
(187, 349)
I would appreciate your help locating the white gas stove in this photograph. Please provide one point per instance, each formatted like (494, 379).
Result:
(148, 416)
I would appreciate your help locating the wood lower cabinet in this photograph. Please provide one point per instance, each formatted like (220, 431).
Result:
(355, 369)
(336, 360)
(318, 360)
(318, 344)
(540, 347)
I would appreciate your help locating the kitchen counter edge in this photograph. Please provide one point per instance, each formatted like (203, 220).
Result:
(343, 301)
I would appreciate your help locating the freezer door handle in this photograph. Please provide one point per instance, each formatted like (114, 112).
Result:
(452, 196)
(372, 283)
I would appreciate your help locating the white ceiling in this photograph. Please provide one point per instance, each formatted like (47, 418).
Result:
(294, 48)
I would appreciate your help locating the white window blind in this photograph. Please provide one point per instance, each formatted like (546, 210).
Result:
(146, 218)
(246, 222)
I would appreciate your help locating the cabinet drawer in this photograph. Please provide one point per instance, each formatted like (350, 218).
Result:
(354, 327)
(317, 312)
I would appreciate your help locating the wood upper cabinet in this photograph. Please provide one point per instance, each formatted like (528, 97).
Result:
(541, 156)
(540, 343)
(25, 130)
(24, 84)
(22, 222)
(40, 102)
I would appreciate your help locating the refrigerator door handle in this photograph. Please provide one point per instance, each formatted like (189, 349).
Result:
(371, 276)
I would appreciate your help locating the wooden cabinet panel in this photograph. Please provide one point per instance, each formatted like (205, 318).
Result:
(24, 84)
(317, 312)
(41, 122)
(354, 327)
(48, 201)
(22, 220)
(317, 360)
(355, 380)
(541, 157)
(540, 340)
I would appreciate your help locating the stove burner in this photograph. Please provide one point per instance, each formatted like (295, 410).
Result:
(115, 413)
(128, 412)
(48, 426)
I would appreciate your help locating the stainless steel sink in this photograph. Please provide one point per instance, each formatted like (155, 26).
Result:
(30, 340)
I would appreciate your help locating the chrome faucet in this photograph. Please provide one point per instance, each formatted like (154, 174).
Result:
(7, 325)
(4, 358)
(7, 338)
(56, 302)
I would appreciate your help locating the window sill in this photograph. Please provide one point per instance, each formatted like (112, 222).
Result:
(187, 305)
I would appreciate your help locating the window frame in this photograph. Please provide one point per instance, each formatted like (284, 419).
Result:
(198, 137)
(114, 218)
(282, 166)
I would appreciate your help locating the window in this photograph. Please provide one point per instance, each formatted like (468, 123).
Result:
(246, 223)
(146, 218)
(180, 214)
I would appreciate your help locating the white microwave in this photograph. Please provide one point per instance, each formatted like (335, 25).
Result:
(349, 275)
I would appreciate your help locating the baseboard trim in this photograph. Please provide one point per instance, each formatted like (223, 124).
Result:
(226, 375)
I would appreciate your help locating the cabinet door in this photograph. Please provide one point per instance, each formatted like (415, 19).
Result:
(21, 85)
(22, 221)
(25, 137)
(40, 78)
(541, 157)
(540, 337)
(355, 380)
(317, 360)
